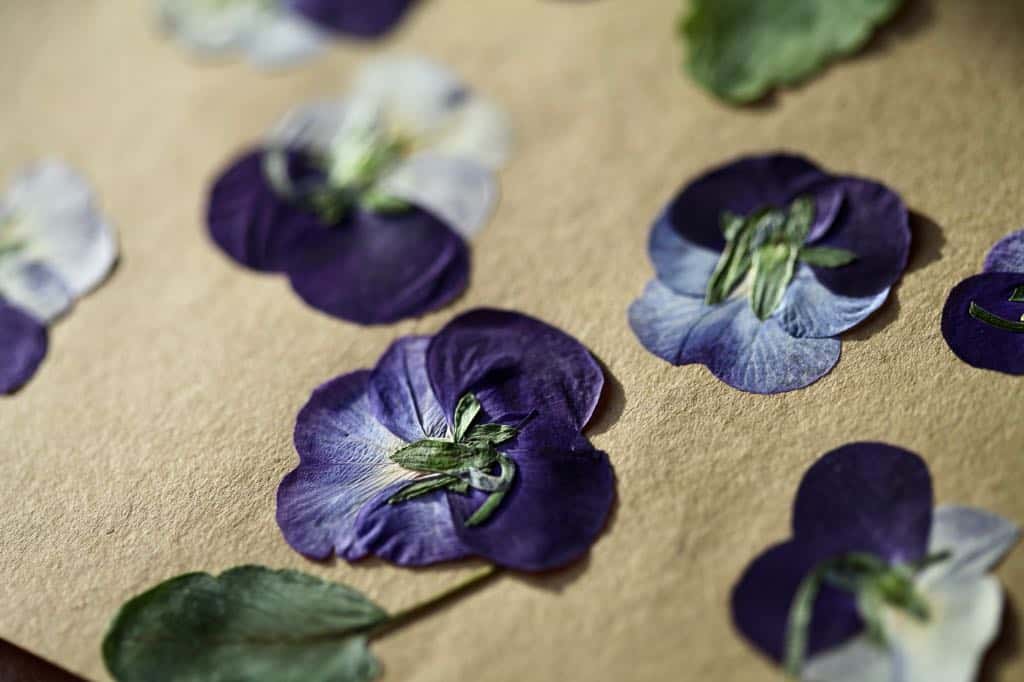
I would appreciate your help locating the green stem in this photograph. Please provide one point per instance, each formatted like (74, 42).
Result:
(402, 618)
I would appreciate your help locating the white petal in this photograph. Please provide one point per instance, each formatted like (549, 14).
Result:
(859, 660)
(480, 132)
(34, 288)
(54, 214)
(459, 192)
(965, 618)
(418, 96)
(208, 29)
(976, 538)
(311, 126)
(283, 41)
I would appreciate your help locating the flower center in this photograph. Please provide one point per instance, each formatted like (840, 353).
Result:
(997, 321)
(468, 459)
(360, 155)
(876, 584)
(761, 253)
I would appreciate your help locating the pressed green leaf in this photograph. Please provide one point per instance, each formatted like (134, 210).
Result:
(826, 256)
(741, 49)
(432, 455)
(250, 624)
(467, 410)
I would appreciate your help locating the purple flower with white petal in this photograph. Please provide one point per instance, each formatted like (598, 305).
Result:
(274, 33)
(983, 320)
(762, 263)
(365, 202)
(55, 247)
(875, 585)
(467, 443)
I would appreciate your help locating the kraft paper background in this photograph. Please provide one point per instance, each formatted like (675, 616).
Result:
(152, 440)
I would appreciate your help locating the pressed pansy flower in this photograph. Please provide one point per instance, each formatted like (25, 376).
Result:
(467, 443)
(875, 585)
(983, 320)
(274, 33)
(762, 263)
(365, 202)
(55, 247)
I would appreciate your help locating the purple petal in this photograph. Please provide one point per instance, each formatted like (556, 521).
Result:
(249, 221)
(762, 599)
(810, 309)
(376, 269)
(24, 343)
(874, 224)
(557, 506)
(361, 18)
(867, 497)
(739, 349)
(415, 532)
(1007, 255)
(400, 393)
(680, 264)
(514, 364)
(343, 464)
(978, 343)
(743, 186)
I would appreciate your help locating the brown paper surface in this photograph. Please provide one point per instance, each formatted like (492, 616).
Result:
(152, 439)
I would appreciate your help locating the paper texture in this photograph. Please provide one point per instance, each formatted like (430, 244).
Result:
(153, 437)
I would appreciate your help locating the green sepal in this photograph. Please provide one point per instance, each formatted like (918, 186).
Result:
(982, 315)
(490, 434)
(466, 411)
(426, 486)
(494, 500)
(432, 455)
(774, 265)
(1018, 295)
(375, 201)
(826, 256)
(249, 623)
(735, 260)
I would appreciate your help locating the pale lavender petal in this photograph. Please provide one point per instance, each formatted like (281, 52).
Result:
(681, 265)
(810, 309)
(1007, 255)
(977, 540)
(343, 464)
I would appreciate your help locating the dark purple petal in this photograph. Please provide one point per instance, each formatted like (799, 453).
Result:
(744, 186)
(866, 497)
(376, 269)
(250, 221)
(762, 599)
(400, 392)
(514, 364)
(1007, 255)
(978, 343)
(23, 343)
(874, 224)
(362, 18)
(415, 532)
(343, 464)
(557, 506)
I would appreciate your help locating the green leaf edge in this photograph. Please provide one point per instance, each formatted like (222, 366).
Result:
(689, 25)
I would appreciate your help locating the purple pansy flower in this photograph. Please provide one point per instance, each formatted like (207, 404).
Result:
(875, 585)
(762, 263)
(983, 320)
(274, 33)
(467, 443)
(365, 202)
(55, 247)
